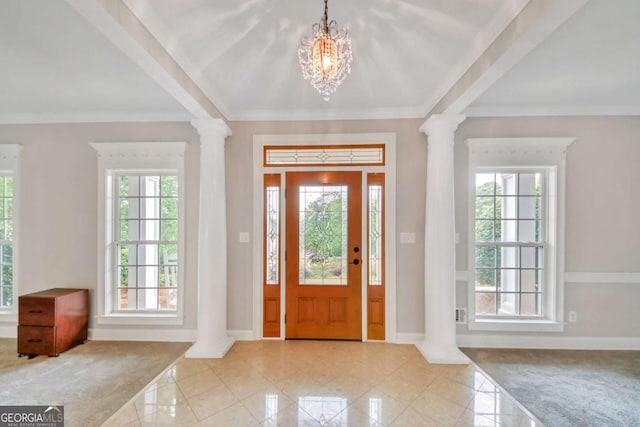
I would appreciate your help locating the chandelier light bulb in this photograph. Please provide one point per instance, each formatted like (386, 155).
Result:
(325, 57)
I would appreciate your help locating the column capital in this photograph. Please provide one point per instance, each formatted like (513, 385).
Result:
(215, 128)
(447, 122)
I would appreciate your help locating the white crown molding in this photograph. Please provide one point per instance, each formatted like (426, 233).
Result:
(121, 26)
(548, 342)
(59, 118)
(566, 110)
(156, 26)
(158, 29)
(482, 41)
(329, 114)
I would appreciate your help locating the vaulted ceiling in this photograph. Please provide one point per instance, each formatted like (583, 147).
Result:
(61, 63)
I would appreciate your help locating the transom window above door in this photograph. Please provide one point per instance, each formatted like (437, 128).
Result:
(312, 155)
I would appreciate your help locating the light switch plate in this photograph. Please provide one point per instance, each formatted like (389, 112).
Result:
(243, 237)
(407, 237)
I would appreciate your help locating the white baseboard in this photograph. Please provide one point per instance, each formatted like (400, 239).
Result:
(172, 335)
(409, 338)
(176, 335)
(8, 331)
(242, 334)
(549, 343)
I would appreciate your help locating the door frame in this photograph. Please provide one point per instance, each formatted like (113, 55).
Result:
(389, 169)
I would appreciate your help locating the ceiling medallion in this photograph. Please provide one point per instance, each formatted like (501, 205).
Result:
(326, 56)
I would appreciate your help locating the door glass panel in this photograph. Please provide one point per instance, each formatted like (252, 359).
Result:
(375, 235)
(323, 235)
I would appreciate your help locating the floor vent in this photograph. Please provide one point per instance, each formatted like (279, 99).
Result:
(461, 315)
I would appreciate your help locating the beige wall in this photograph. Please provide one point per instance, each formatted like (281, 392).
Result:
(602, 213)
(58, 212)
(412, 159)
(59, 220)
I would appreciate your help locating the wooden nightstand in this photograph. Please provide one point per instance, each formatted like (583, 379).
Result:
(52, 321)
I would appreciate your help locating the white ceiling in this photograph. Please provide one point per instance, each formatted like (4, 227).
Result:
(243, 54)
(55, 67)
(590, 65)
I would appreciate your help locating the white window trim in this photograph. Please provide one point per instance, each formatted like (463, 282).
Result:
(389, 168)
(548, 154)
(10, 165)
(127, 157)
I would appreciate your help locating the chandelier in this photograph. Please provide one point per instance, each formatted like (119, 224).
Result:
(326, 57)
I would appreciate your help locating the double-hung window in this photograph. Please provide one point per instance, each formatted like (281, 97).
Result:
(145, 247)
(9, 168)
(509, 242)
(142, 233)
(516, 239)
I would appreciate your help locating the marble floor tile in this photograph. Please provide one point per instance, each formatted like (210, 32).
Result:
(267, 404)
(233, 416)
(380, 406)
(167, 415)
(125, 416)
(321, 383)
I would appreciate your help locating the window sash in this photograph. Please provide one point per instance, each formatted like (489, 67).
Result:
(117, 242)
(8, 297)
(540, 220)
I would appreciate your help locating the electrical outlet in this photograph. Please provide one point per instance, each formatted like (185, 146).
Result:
(573, 316)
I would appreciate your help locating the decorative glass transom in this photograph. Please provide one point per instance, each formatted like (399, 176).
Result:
(363, 155)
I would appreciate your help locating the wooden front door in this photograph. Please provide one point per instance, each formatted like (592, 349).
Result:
(323, 255)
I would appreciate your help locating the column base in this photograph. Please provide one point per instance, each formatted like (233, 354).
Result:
(210, 350)
(447, 356)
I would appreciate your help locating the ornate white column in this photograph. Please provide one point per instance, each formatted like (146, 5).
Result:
(212, 340)
(439, 345)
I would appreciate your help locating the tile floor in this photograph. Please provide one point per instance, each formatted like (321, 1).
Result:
(316, 383)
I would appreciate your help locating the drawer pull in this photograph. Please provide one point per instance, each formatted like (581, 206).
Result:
(35, 311)
(32, 340)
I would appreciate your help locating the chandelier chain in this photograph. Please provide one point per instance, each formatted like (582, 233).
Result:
(326, 16)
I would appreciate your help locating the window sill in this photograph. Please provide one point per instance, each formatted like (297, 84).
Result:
(515, 325)
(140, 319)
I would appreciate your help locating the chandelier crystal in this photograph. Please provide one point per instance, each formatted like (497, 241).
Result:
(325, 57)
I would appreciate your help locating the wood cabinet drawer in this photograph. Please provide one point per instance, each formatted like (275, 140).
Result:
(35, 311)
(37, 340)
